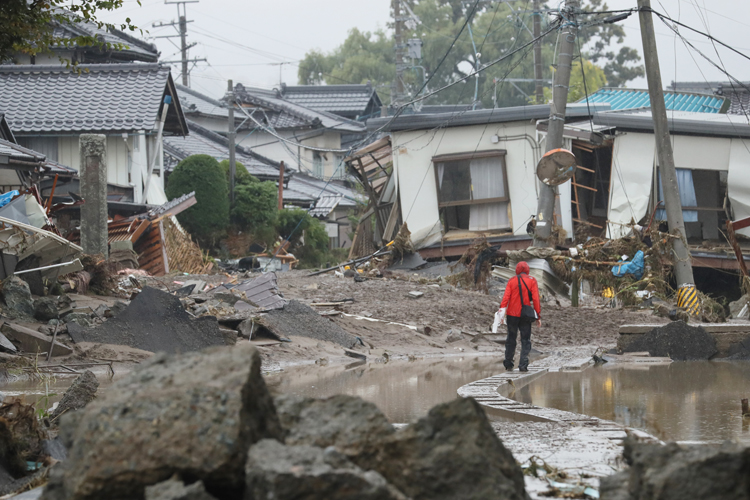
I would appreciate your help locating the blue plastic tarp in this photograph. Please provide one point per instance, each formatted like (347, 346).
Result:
(634, 267)
(6, 197)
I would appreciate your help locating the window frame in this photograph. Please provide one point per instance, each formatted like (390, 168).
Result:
(453, 157)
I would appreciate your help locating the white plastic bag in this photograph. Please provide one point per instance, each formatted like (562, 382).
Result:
(499, 319)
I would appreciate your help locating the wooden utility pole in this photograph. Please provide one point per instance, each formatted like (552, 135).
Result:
(231, 138)
(560, 85)
(539, 89)
(683, 268)
(281, 185)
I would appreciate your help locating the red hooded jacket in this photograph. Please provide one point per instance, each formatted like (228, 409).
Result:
(512, 298)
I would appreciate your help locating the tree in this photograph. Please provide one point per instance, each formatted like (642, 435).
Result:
(208, 219)
(255, 207)
(26, 26)
(241, 175)
(497, 32)
(595, 79)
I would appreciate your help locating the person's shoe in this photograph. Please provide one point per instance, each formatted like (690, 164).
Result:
(508, 368)
(524, 369)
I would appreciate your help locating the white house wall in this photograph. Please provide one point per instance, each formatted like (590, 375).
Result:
(413, 152)
(631, 180)
(738, 180)
(701, 153)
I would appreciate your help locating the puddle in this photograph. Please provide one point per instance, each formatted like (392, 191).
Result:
(404, 391)
(682, 401)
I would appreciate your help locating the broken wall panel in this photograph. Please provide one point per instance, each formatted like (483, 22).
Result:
(738, 181)
(632, 177)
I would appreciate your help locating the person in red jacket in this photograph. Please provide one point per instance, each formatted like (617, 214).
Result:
(518, 291)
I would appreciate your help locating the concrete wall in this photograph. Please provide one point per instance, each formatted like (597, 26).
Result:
(413, 153)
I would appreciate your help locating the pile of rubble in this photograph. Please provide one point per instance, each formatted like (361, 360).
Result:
(203, 425)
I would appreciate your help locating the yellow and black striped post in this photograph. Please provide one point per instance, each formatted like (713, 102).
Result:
(687, 298)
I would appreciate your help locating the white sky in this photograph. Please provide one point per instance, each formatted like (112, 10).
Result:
(245, 40)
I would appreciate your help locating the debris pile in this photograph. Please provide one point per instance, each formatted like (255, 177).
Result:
(335, 448)
(183, 254)
(477, 262)
(677, 341)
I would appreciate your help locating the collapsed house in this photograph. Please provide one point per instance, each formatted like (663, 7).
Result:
(456, 176)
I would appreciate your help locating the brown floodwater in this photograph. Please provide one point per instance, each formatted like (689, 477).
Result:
(404, 391)
(681, 401)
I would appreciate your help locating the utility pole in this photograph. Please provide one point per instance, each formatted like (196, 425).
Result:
(560, 85)
(398, 26)
(281, 185)
(683, 268)
(539, 90)
(231, 137)
(182, 33)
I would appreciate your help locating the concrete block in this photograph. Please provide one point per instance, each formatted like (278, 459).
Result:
(33, 341)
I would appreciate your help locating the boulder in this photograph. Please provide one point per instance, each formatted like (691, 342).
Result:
(451, 453)
(354, 426)
(194, 415)
(454, 335)
(45, 309)
(80, 319)
(175, 489)
(80, 393)
(677, 341)
(17, 296)
(280, 472)
(675, 472)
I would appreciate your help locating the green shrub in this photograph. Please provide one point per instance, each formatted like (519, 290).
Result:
(208, 219)
(241, 175)
(255, 207)
(309, 243)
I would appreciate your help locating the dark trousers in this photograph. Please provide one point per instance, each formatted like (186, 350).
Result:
(514, 325)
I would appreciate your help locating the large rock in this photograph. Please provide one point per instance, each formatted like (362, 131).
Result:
(280, 472)
(176, 490)
(194, 415)
(17, 297)
(674, 472)
(80, 393)
(45, 309)
(451, 453)
(354, 426)
(677, 341)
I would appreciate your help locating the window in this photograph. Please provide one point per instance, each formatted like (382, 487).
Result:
(702, 197)
(340, 168)
(473, 191)
(317, 164)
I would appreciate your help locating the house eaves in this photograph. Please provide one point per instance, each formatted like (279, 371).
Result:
(684, 123)
(96, 98)
(478, 117)
(133, 48)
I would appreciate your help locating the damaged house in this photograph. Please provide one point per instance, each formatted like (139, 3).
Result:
(477, 175)
(49, 107)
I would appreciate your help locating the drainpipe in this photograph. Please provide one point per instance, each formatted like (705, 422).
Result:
(157, 147)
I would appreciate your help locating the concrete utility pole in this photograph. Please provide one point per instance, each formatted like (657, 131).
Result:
(182, 33)
(398, 26)
(281, 185)
(683, 269)
(93, 173)
(231, 137)
(560, 86)
(539, 89)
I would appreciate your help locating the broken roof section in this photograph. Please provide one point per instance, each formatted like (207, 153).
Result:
(263, 291)
(325, 205)
(356, 102)
(102, 98)
(133, 48)
(271, 109)
(206, 142)
(620, 99)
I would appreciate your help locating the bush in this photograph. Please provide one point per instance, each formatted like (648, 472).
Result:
(241, 175)
(255, 207)
(208, 219)
(311, 251)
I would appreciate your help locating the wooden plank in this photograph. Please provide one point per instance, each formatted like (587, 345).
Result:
(390, 226)
(584, 187)
(473, 202)
(586, 169)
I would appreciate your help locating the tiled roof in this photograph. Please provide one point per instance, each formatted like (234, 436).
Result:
(136, 49)
(737, 93)
(325, 205)
(282, 113)
(202, 141)
(194, 102)
(304, 188)
(15, 152)
(345, 100)
(676, 101)
(101, 98)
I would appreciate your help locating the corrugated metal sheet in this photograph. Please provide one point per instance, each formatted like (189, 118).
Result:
(620, 99)
(325, 205)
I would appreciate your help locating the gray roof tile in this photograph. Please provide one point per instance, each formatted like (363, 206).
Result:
(348, 100)
(136, 49)
(102, 98)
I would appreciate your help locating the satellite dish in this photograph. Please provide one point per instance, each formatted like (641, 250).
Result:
(556, 167)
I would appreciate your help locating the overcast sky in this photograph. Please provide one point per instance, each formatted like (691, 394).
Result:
(247, 40)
